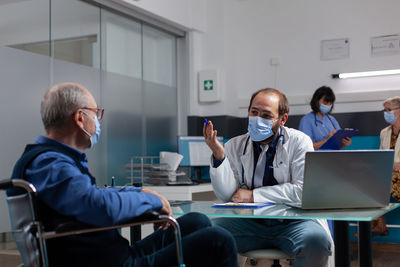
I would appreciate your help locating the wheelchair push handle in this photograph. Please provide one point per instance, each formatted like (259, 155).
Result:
(5, 184)
(8, 183)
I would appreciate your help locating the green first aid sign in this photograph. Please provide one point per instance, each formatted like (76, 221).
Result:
(208, 85)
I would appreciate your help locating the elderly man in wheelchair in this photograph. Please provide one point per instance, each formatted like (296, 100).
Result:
(57, 167)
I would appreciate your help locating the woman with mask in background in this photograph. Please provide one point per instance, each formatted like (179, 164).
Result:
(389, 140)
(319, 124)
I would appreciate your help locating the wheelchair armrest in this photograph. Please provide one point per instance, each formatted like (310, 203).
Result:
(74, 225)
(76, 228)
(147, 216)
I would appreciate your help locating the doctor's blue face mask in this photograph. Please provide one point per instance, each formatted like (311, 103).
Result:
(325, 108)
(389, 117)
(259, 128)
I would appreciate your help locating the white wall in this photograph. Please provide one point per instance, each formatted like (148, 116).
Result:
(241, 36)
(186, 13)
(256, 31)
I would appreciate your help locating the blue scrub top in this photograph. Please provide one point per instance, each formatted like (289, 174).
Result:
(316, 128)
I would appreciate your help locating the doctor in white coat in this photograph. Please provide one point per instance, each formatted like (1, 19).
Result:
(267, 165)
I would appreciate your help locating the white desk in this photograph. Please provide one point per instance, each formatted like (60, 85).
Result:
(182, 192)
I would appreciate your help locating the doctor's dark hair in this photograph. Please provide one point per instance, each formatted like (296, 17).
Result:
(323, 91)
(60, 102)
(283, 102)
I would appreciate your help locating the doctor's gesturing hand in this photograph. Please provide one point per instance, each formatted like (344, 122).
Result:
(210, 136)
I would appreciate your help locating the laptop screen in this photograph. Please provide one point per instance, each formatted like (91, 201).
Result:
(347, 179)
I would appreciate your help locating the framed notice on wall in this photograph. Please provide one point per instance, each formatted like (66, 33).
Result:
(335, 49)
(385, 45)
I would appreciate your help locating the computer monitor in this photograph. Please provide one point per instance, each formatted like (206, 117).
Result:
(194, 150)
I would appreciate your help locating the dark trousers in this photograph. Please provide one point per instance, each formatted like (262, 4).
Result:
(203, 245)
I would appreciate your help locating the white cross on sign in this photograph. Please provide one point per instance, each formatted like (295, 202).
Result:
(208, 85)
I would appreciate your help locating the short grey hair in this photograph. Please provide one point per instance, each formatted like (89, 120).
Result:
(393, 101)
(60, 102)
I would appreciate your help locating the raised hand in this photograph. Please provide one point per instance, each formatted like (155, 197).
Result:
(210, 136)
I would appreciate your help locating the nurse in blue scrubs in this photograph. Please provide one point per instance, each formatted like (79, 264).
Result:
(319, 124)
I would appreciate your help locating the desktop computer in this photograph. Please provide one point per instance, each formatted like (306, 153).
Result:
(196, 155)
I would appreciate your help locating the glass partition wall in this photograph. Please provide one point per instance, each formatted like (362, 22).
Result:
(129, 67)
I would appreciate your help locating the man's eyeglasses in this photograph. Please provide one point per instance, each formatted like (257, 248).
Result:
(99, 112)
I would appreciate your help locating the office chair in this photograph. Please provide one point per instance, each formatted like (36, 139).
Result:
(30, 236)
(272, 254)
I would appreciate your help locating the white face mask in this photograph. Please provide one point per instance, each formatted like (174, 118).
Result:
(94, 138)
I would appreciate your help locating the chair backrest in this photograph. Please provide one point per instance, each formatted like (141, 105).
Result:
(24, 229)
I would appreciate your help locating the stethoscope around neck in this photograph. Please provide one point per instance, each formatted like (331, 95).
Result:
(315, 119)
(243, 184)
(320, 122)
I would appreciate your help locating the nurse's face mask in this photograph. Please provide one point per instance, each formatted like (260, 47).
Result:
(325, 108)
